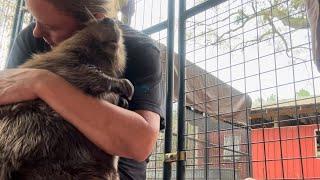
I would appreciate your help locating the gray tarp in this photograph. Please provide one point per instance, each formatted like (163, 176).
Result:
(201, 87)
(313, 16)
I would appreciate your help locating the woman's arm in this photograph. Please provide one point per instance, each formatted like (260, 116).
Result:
(115, 130)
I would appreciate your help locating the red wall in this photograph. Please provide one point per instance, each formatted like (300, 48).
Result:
(271, 166)
(241, 167)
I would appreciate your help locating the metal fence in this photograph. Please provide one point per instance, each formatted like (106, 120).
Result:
(249, 92)
(242, 91)
(13, 18)
(7, 12)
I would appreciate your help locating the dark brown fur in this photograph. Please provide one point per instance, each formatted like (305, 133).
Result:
(36, 142)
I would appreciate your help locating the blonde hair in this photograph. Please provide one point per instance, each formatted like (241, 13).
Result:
(112, 7)
(83, 10)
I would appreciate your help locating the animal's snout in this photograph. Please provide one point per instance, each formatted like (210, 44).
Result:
(108, 21)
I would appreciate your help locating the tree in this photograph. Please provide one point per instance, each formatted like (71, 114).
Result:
(272, 99)
(258, 102)
(273, 18)
(302, 93)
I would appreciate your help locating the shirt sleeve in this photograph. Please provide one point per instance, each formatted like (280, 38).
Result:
(146, 76)
(24, 46)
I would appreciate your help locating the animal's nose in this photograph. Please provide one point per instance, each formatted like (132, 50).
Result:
(108, 21)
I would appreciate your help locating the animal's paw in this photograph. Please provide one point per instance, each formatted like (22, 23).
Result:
(126, 89)
(123, 102)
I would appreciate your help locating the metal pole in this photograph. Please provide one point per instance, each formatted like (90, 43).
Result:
(181, 104)
(169, 99)
(20, 19)
(17, 24)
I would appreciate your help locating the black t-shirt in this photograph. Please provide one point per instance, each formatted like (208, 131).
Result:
(143, 70)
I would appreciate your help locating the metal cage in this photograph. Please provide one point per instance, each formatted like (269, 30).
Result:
(242, 91)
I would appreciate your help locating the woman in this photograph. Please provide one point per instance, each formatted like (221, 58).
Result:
(130, 134)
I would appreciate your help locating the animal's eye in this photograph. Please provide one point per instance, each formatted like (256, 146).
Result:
(114, 45)
(111, 45)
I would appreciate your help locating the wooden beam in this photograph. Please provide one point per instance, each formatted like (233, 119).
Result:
(272, 113)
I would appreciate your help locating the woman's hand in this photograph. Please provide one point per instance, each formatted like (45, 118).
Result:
(18, 85)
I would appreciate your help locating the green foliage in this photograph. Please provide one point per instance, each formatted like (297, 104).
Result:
(297, 4)
(302, 93)
(240, 17)
(258, 102)
(272, 99)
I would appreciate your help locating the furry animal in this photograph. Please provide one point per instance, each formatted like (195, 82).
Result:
(36, 142)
